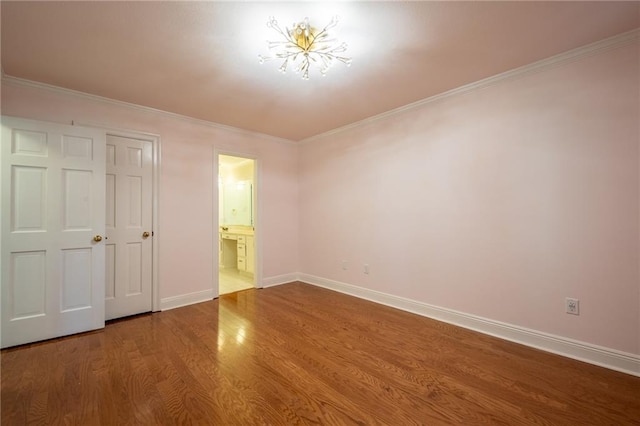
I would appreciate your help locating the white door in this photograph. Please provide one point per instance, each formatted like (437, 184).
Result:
(53, 217)
(128, 289)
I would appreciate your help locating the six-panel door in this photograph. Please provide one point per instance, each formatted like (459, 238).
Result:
(129, 227)
(53, 220)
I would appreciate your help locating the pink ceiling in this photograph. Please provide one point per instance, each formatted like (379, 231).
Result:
(199, 59)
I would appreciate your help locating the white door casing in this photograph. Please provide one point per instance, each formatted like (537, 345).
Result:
(129, 173)
(254, 258)
(53, 204)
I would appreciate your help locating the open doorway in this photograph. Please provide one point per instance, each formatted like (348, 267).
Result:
(237, 218)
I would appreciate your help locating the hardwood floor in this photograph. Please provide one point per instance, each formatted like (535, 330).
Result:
(298, 354)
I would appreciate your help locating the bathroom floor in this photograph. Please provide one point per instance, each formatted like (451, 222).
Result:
(231, 281)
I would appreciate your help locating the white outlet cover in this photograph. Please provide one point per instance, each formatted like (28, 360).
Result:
(572, 306)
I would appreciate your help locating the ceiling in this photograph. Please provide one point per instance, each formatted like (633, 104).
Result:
(199, 59)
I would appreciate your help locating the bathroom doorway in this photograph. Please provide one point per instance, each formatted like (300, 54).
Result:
(236, 228)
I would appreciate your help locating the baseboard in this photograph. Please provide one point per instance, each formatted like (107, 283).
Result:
(185, 299)
(593, 354)
(279, 279)
(206, 295)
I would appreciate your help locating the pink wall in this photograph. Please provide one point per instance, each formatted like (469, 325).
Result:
(188, 214)
(498, 202)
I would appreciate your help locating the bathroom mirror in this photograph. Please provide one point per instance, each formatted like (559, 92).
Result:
(237, 203)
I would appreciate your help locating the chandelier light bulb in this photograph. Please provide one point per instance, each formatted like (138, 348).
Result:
(303, 44)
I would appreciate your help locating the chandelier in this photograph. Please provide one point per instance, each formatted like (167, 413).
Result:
(303, 44)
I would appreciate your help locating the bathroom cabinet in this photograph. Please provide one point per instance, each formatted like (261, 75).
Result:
(237, 251)
(251, 249)
(242, 253)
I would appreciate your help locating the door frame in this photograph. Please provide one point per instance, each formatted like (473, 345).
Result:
(155, 191)
(257, 220)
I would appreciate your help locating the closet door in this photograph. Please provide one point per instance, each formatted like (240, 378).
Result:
(129, 227)
(52, 229)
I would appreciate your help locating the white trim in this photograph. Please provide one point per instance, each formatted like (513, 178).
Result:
(157, 165)
(155, 208)
(258, 258)
(22, 82)
(279, 280)
(215, 237)
(586, 352)
(535, 67)
(125, 133)
(185, 299)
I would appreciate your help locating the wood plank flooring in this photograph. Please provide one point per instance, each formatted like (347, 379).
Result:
(297, 354)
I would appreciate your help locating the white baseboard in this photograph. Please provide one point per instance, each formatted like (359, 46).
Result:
(206, 295)
(279, 279)
(185, 299)
(601, 356)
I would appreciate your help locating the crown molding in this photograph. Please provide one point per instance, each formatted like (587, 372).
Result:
(21, 82)
(535, 67)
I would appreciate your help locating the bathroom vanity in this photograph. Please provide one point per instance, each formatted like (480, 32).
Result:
(237, 249)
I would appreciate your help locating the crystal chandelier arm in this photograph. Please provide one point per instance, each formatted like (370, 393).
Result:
(338, 49)
(324, 33)
(344, 60)
(304, 68)
(283, 55)
(272, 23)
(278, 43)
(279, 55)
(319, 36)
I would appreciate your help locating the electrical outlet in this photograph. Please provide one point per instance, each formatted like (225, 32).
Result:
(366, 268)
(572, 306)
(345, 265)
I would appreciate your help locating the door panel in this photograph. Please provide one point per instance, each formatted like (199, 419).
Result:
(28, 204)
(28, 272)
(110, 268)
(76, 199)
(52, 277)
(135, 261)
(76, 279)
(128, 215)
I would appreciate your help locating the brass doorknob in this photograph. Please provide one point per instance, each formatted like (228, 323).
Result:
(97, 238)
(145, 234)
